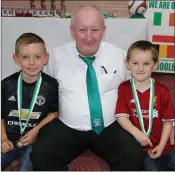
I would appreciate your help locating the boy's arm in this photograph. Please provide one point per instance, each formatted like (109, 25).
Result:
(6, 144)
(31, 136)
(172, 136)
(166, 131)
(3, 105)
(139, 135)
(46, 120)
(3, 131)
(168, 111)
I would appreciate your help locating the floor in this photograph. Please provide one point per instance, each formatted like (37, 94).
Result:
(168, 80)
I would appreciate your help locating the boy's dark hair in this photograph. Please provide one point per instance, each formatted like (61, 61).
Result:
(144, 46)
(28, 38)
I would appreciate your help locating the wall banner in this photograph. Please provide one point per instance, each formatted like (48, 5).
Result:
(161, 22)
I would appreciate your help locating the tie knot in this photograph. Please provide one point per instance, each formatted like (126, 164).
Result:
(88, 60)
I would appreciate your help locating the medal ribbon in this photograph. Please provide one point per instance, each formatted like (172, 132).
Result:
(34, 97)
(151, 106)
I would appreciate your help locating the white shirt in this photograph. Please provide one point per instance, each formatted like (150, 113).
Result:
(70, 72)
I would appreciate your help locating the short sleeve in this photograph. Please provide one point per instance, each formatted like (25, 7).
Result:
(167, 108)
(53, 103)
(3, 104)
(122, 108)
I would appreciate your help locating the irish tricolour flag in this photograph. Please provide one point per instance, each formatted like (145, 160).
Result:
(161, 26)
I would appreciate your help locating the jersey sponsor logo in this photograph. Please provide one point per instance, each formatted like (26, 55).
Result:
(17, 123)
(40, 100)
(34, 115)
(12, 98)
(145, 113)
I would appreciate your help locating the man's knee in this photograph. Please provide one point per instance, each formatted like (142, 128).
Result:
(128, 163)
(136, 162)
(136, 158)
(47, 162)
(129, 160)
(39, 161)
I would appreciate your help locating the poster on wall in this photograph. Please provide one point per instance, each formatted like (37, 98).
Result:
(161, 22)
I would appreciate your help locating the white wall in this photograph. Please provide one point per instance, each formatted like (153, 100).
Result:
(55, 32)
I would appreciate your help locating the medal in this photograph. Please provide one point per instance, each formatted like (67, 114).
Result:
(138, 108)
(19, 144)
(34, 97)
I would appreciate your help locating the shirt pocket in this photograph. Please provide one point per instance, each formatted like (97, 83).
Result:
(103, 81)
(115, 82)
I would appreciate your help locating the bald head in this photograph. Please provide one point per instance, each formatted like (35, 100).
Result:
(87, 28)
(87, 9)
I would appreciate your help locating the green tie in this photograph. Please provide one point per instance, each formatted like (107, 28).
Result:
(94, 100)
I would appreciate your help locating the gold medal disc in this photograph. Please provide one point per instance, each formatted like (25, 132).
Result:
(19, 144)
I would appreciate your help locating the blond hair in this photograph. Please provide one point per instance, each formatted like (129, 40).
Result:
(28, 38)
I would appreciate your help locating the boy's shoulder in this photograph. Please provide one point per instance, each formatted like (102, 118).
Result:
(160, 86)
(13, 77)
(47, 78)
(125, 84)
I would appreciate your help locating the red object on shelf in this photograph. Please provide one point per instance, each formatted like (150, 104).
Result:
(24, 15)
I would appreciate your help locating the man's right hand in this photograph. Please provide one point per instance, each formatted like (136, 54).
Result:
(142, 138)
(6, 145)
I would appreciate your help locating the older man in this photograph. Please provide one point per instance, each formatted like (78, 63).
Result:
(88, 71)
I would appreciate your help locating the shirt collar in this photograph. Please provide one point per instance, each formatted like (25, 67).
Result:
(97, 54)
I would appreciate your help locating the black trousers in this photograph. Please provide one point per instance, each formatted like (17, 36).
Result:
(57, 145)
